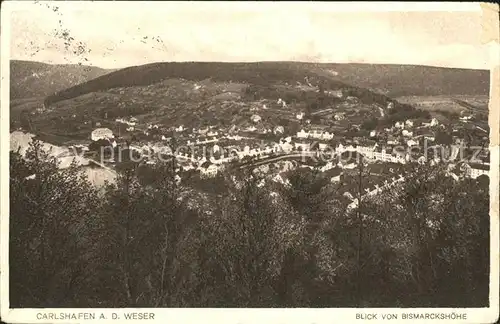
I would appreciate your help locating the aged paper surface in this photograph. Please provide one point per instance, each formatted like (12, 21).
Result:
(249, 162)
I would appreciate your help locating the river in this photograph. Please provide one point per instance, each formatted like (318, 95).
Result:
(96, 175)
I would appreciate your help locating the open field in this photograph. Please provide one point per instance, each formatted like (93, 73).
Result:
(26, 104)
(455, 104)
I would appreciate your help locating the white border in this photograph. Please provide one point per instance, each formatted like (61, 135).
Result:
(341, 6)
(219, 316)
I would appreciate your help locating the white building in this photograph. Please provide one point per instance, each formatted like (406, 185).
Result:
(350, 166)
(411, 142)
(317, 134)
(321, 135)
(203, 131)
(339, 116)
(322, 146)
(302, 134)
(101, 133)
(434, 122)
(124, 121)
(409, 123)
(407, 133)
(300, 115)
(282, 102)
(335, 93)
(475, 170)
(279, 130)
(348, 195)
(335, 179)
(255, 118)
(286, 147)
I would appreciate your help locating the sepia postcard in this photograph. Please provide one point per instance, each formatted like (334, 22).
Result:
(249, 162)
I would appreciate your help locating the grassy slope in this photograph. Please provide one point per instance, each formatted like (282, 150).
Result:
(252, 73)
(35, 79)
(392, 80)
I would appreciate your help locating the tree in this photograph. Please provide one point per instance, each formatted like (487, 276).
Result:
(144, 235)
(304, 193)
(370, 124)
(443, 138)
(293, 128)
(362, 174)
(441, 233)
(462, 244)
(244, 242)
(150, 241)
(321, 87)
(51, 216)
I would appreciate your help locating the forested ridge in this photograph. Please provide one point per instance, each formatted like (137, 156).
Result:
(142, 244)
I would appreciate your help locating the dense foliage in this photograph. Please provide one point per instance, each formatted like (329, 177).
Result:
(142, 242)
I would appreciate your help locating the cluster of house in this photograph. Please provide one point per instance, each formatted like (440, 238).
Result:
(471, 170)
(378, 189)
(407, 131)
(315, 134)
(209, 170)
(206, 140)
(132, 121)
(376, 153)
(475, 170)
(288, 146)
(408, 134)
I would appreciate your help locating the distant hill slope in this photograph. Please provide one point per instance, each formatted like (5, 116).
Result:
(34, 79)
(264, 73)
(391, 80)
(410, 80)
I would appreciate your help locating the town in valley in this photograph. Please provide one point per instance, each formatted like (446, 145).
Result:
(152, 165)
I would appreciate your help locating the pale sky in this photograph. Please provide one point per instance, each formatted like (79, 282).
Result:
(320, 32)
